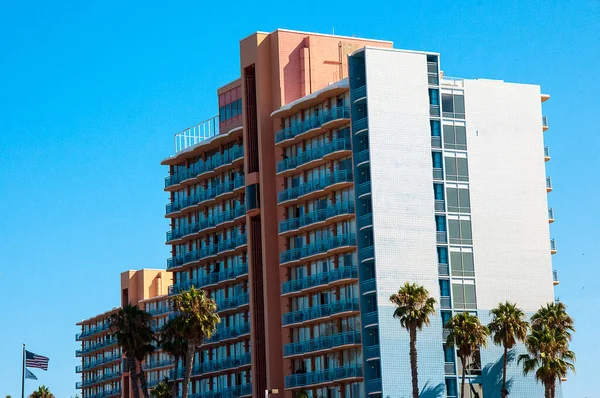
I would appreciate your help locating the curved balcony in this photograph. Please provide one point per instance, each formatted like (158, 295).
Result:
(313, 156)
(320, 279)
(160, 310)
(105, 377)
(544, 122)
(317, 216)
(370, 319)
(233, 302)
(548, 184)
(359, 94)
(205, 166)
(228, 274)
(216, 365)
(363, 189)
(116, 392)
(337, 177)
(550, 215)
(97, 346)
(317, 248)
(322, 343)
(312, 313)
(313, 124)
(360, 126)
(229, 392)
(92, 331)
(231, 332)
(107, 358)
(361, 158)
(207, 252)
(205, 195)
(324, 376)
(206, 224)
(158, 364)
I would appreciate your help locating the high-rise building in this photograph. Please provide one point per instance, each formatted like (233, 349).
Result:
(338, 169)
(103, 370)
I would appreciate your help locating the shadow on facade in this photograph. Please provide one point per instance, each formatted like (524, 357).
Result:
(491, 375)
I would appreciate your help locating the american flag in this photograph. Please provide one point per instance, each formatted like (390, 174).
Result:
(36, 361)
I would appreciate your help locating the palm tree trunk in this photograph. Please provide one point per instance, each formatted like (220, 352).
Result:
(189, 363)
(413, 362)
(143, 382)
(175, 369)
(464, 376)
(553, 389)
(547, 393)
(504, 392)
(133, 376)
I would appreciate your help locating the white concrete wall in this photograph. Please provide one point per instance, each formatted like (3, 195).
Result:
(508, 194)
(403, 208)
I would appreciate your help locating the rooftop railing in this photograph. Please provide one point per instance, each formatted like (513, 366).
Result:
(196, 134)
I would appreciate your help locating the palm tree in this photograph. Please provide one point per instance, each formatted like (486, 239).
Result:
(414, 307)
(508, 326)
(42, 392)
(467, 334)
(554, 315)
(549, 356)
(162, 389)
(134, 335)
(172, 341)
(198, 321)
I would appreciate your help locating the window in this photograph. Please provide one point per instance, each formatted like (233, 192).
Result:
(463, 294)
(436, 157)
(461, 262)
(457, 168)
(455, 137)
(440, 223)
(457, 197)
(444, 288)
(459, 230)
(438, 191)
(434, 97)
(453, 106)
(442, 253)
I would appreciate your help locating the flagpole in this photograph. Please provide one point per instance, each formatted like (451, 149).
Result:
(23, 375)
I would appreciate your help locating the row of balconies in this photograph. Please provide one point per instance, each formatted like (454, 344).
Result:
(243, 390)
(291, 224)
(201, 282)
(320, 311)
(210, 222)
(341, 144)
(322, 343)
(319, 247)
(115, 392)
(97, 346)
(204, 166)
(201, 368)
(92, 364)
(207, 252)
(93, 380)
(205, 195)
(311, 123)
(320, 279)
(336, 177)
(324, 376)
(93, 330)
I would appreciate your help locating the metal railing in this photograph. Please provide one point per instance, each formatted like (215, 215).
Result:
(547, 152)
(545, 121)
(441, 237)
(313, 122)
(229, 332)
(434, 110)
(336, 177)
(361, 157)
(205, 194)
(107, 358)
(316, 216)
(360, 125)
(552, 245)
(320, 311)
(206, 223)
(554, 275)
(322, 278)
(445, 302)
(96, 346)
(323, 376)
(322, 343)
(93, 330)
(228, 392)
(550, 213)
(549, 183)
(210, 279)
(158, 364)
(196, 134)
(207, 252)
(341, 144)
(359, 92)
(438, 173)
(216, 365)
(318, 247)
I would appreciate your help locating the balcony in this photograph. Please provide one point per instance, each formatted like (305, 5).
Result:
(434, 110)
(548, 184)
(370, 319)
(322, 343)
(308, 314)
(229, 333)
(363, 189)
(373, 386)
(207, 223)
(207, 252)
(158, 364)
(550, 215)
(371, 352)
(205, 195)
(323, 376)
(441, 237)
(365, 221)
(368, 286)
(78, 369)
(228, 392)
(92, 331)
(337, 177)
(317, 216)
(438, 173)
(105, 377)
(443, 269)
(436, 142)
(361, 157)
(97, 346)
(445, 302)
(78, 353)
(360, 126)
(544, 123)
(311, 155)
(555, 277)
(160, 310)
(228, 274)
(312, 123)
(115, 392)
(320, 279)
(546, 153)
(553, 246)
(440, 206)
(318, 247)
(107, 358)
(216, 365)
(367, 253)
(449, 368)
(233, 302)
(204, 166)
(359, 93)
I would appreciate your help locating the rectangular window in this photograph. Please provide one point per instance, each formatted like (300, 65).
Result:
(457, 198)
(461, 262)
(463, 294)
(459, 231)
(457, 168)
(453, 106)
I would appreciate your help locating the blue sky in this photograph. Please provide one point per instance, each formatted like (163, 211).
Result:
(92, 93)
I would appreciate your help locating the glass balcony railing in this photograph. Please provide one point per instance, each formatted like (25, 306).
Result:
(229, 333)
(228, 392)
(373, 386)
(449, 368)
(323, 376)
(96, 346)
(445, 302)
(367, 253)
(548, 184)
(550, 214)
(552, 245)
(93, 330)
(555, 276)
(361, 157)
(346, 207)
(360, 125)
(360, 92)
(320, 311)
(233, 302)
(313, 122)
(318, 247)
(115, 392)
(443, 269)
(319, 279)
(440, 206)
(441, 237)
(363, 188)
(207, 223)
(216, 365)
(158, 364)
(322, 343)
(78, 369)
(206, 252)
(436, 141)
(107, 358)
(371, 352)
(78, 353)
(205, 194)
(365, 220)
(438, 173)
(203, 166)
(368, 286)
(160, 310)
(434, 110)
(336, 177)
(211, 279)
(341, 144)
(545, 121)
(98, 379)
(547, 152)
(370, 318)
